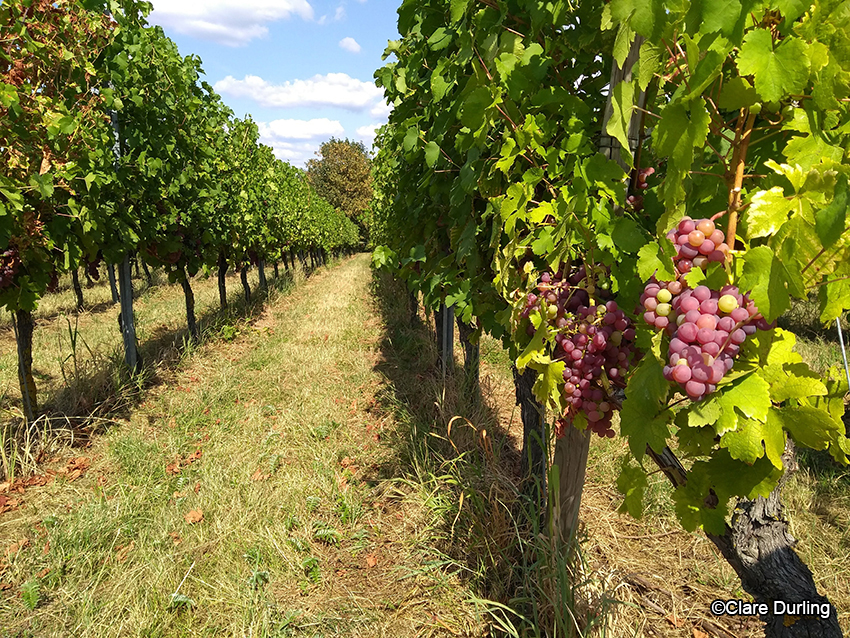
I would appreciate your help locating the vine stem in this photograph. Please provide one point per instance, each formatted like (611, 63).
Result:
(743, 130)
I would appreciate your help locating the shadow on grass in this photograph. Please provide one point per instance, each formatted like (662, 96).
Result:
(450, 440)
(98, 389)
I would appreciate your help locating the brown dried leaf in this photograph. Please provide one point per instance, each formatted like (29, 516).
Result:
(674, 620)
(122, 551)
(177, 495)
(197, 487)
(194, 516)
(5, 586)
(194, 456)
(44, 572)
(101, 480)
(14, 548)
(371, 560)
(260, 476)
(175, 537)
(46, 549)
(45, 165)
(173, 468)
(699, 634)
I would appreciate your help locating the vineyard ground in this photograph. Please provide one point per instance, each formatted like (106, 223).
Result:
(296, 475)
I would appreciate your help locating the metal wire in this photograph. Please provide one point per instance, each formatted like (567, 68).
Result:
(843, 350)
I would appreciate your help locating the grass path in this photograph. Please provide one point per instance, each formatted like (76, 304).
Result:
(248, 481)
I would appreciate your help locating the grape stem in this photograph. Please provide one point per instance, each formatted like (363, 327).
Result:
(743, 130)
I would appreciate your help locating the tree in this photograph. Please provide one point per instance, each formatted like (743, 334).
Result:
(342, 176)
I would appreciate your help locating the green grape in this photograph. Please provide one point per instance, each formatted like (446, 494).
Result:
(664, 296)
(727, 303)
(663, 309)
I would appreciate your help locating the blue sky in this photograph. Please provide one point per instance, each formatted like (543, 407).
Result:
(302, 69)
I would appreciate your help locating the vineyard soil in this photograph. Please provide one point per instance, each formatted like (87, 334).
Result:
(302, 474)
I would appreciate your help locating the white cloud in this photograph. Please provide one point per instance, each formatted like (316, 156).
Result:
(296, 141)
(350, 44)
(340, 13)
(334, 89)
(381, 110)
(230, 22)
(367, 133)
(281, 130)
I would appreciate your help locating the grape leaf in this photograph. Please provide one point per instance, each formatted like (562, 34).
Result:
(622, 102)
(641, 418)
(764, 275)
(546, 386)
(767, 211)
(653, 260)
(778, 72)
(752, 438)
(432, 152)
(750, 395)
(736, 94)
(796, 381)
(679, 131)
(829, 221)
(632, 485)
(809, 426)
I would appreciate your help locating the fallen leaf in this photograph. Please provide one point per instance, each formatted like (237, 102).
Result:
(9, 504)
(260, 476)
(194, 516)
(699, 634)
(371, 560)
(197, 487)
(101, 480)
(14, 548)
(173, 468)
(177, 495)
(46, 549)
(675, 621)
(4, 487)
(5, 586)
(175, 537)
(44, 572)
(346, 461)
(172, 423)
(194, 456)
(122, 551)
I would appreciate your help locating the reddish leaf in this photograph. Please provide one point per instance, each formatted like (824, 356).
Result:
(197, 487)
(371, 560)
(194, 456)
(674, 620)
(699, 634)
(260, 476)
(194, 516)
(46, 549)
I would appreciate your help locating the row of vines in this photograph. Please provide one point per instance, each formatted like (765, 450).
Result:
(112, 145)
(629, 194)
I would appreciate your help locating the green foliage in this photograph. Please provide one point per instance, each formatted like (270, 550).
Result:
(342, 176)
(489, 172)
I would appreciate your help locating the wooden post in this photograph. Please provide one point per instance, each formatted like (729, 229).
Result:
(148, 276)
(447, 356)
(243, 276)
(534, 436)
(222, 281)
(191, 323)
(113, 288)
(78, 290)
(127, 320)
(261, 270)
(24, 326)
(471, 356)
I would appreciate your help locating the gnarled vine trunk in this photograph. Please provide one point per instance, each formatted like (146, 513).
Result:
(24, 327)
(261, 271)
(113, 287)
(534, 435)
(126, 319)
(243, 276)
(191, 321)
(78, 289)
(471, 355)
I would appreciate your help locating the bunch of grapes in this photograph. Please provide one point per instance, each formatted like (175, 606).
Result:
(706, 327)
(636, 201)
(595, 340)
(698, 243)
(93, 269)
(10, 263)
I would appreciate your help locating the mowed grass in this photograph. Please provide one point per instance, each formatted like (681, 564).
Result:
(312, 475)
(243, 497)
